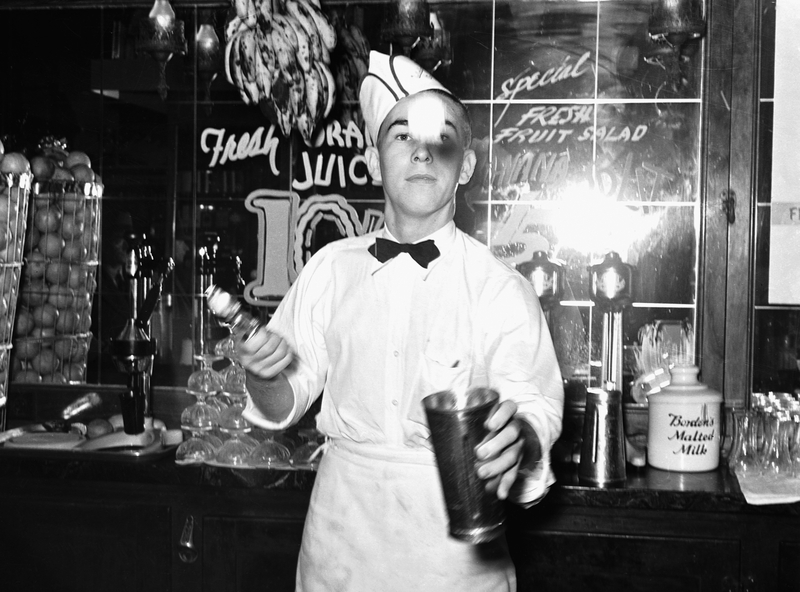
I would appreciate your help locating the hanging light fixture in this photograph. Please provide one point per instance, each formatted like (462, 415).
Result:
(673, 25)
(434, 52)
(209, 57)
(405, 22)
(161, 36)
(676, 21)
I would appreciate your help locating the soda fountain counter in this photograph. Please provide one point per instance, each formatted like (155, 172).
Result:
(149, 524)
(596, 130)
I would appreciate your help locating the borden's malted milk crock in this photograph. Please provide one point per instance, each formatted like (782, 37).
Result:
(684, 424)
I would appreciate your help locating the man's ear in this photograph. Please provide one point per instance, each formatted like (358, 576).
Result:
(467, 166)
(373, 163)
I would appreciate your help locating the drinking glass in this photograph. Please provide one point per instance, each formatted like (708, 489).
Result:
(794, 440)
(208, 380)
(237, 448)
(226, 349)
(200, 419)
(195, 450)
(777, 461)
(737, 438)
(307, 455)
(745, 460)
(269, 454)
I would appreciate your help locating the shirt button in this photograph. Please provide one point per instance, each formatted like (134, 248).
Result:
(394, 402)
(396, 353)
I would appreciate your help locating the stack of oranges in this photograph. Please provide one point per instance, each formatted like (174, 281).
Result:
(53, 325)
(15, 186)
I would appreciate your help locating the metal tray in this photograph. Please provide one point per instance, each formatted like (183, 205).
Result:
(116, 446)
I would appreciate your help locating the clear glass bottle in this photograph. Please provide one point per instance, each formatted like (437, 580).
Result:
(242, 324)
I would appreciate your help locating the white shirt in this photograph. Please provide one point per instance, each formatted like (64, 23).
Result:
(376, 338)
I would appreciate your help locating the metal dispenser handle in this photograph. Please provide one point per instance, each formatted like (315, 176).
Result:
(186, 548)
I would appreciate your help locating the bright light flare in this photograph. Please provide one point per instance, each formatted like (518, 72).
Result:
(591, 222)
(426, 118)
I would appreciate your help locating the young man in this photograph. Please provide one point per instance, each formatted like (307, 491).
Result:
(376, 328)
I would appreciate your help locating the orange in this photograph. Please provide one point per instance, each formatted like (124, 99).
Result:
(26, 349)
(35, 265)
(71, 227)
(26, 376)
(74, 252)
(67, 322)
(57, 272)
(45, 362)
(14, 163)
(55, 378)
(74, 372)
(62, 174)
(43, 168)
(24, 323)
(50, 245)
(33, 293)
(47, 219)
(61, 297)
(78, 278)
(45, 315)
(77, 157)
(83, 173)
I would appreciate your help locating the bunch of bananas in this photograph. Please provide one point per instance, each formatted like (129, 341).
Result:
(278, 54)
(351, 65)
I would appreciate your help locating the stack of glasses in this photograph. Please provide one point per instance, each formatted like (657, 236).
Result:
(201, 420)
(766, 439)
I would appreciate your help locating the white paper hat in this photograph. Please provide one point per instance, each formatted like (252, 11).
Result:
(390, 79)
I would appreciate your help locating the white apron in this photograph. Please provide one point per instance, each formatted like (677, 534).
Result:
(377, 522)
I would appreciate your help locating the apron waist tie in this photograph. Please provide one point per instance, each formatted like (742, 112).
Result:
(419, 456)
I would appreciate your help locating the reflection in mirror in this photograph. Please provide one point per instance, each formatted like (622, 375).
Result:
(586, 144)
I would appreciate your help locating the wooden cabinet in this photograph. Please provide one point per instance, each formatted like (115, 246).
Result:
(250, 554)
(573, 548)
(89, 528)
(82, 538)
(99, 537)
(633, 550)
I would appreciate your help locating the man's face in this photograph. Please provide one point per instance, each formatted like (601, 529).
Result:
(420, 178)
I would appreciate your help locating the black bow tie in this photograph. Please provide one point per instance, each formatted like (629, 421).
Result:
(423, 253)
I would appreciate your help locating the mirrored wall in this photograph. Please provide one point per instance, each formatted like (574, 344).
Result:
(586, 124)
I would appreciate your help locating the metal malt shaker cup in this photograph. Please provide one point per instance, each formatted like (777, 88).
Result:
(457, 427)
(603, 448)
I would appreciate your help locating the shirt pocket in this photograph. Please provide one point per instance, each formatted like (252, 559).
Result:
(444, 367)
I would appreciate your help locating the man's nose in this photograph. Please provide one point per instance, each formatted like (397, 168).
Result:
(422, 153)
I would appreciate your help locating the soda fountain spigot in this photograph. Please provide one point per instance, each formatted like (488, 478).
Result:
(611, 289)
(151, 297)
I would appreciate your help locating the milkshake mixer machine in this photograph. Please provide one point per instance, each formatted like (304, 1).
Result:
(611, 290)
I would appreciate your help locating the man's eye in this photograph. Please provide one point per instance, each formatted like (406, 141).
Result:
(402, 136)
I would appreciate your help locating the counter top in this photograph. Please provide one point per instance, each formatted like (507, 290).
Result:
(69, 466)
(646, 488)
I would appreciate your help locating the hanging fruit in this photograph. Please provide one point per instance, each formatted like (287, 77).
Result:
(278, 54)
